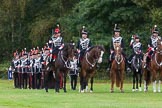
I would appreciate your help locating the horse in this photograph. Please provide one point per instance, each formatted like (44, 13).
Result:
(156, 66)
(136, 66)
(146, 73)
(60, 67)
(117, 68)
(88, 65)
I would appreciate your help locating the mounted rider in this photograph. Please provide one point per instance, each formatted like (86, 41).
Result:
(83, 44)
(56, 43)
(136, 47)
(152, 45)
(117, 39)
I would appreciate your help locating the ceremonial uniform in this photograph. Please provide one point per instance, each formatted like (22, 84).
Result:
(117, 39)
(136, 47)
(152, 44)
(56, 43)
(74, 73)
(83, 44)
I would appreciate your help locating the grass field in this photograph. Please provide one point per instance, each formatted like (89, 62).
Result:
(100, 98)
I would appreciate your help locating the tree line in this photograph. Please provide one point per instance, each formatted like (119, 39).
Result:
(28, 23)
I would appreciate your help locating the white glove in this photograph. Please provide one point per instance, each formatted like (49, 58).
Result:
(50, 50)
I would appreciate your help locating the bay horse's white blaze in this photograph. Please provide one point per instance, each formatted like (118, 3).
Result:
(100, 58)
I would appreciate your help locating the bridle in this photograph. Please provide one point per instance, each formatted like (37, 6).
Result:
(95, 60)
(118, 56)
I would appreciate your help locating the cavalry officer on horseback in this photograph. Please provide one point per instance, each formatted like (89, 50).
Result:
(117, 39)
(136, 47)
(152, 44)
(56, 43)
(83, 44)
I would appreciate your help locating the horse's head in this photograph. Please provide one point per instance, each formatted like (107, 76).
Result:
(159, 46)
(117, 49)
(69, 50)
(97, 52)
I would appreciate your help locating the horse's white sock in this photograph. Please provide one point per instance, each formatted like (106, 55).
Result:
(159, 86)
(154, 86)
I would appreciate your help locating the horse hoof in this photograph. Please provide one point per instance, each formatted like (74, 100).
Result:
(111, 91)
(145, 90)
(90, 91)
(154, 91)
(136, 89)
(133, 90)
(159, 91)
(82, 91)
(122, 91)
(140, 89)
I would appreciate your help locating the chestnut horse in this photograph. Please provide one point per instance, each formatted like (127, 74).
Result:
(88, 65)
(60, 66)
(156, 67)
(117, 69)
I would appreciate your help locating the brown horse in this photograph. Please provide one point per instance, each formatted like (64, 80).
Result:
(156, 66)
(60, 66)
(117, 69)
(146, 73)
(88, 65)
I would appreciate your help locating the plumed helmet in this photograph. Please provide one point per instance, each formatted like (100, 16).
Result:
(137, 36)
(116, 28)
(155, 29)
(57, 29)
(84, 31)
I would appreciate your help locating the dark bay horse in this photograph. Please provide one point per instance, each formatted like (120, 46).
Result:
(117, 69)
(156, 66)
(136, 66)
(88, 65)
(60, 66)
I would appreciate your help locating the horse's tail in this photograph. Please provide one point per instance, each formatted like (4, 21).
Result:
(118, 78)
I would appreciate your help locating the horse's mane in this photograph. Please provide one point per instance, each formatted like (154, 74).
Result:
(100, 47)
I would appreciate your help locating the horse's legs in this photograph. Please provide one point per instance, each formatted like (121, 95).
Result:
(57, 83)
(64, 82)
(136, 81)
(91, 89)
(83, 81)
(112, 76)
(46, 76)
(133, 89)
(140, 81)
(122, 78)
(159, 86)
(154, 80)
(154, 86)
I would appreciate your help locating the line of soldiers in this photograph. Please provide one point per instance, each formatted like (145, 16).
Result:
(27, 67)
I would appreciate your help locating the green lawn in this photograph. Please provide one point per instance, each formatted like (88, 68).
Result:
(100, 98)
